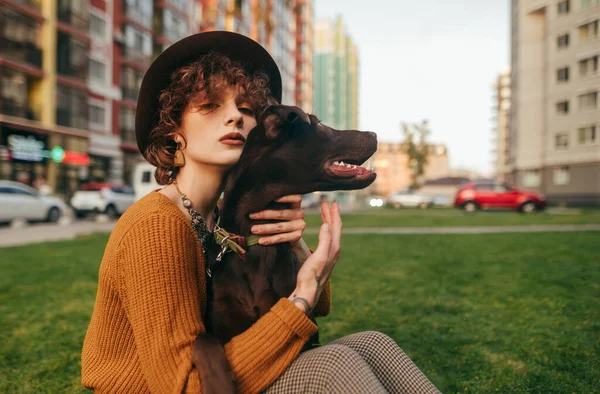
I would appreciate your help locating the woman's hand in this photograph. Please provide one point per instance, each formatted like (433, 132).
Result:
(290, 227)
(317, 268)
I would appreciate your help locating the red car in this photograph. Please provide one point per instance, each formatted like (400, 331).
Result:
(474, 195)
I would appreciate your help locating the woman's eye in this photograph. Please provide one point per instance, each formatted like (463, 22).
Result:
(246, 111)
(208, 106)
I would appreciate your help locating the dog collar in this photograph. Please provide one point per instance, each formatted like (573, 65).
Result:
(230, 242)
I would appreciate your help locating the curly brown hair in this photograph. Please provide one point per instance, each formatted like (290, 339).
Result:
(191, 85)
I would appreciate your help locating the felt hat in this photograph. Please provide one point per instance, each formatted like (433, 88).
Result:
(250, 54)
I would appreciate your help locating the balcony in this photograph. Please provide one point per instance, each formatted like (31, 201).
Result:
(66, 117)
(76, 19)
(24, 52)
(130, 94)
(136, 58)
(12, 108)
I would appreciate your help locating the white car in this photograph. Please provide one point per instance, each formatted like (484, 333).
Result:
(106, 198)
(19, 201)
(409, 198)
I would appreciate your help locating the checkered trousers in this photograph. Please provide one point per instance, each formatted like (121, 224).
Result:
(367, 362)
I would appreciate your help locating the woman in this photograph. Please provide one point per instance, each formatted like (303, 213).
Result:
(195, 100)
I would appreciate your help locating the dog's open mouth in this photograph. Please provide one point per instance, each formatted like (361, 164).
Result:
(348, 169)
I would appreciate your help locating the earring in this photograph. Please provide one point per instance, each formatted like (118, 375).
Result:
(179, 160)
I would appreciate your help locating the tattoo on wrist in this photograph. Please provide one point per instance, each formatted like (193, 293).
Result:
(304, 302)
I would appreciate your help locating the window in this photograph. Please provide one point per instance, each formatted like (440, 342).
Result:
(561, 140)
(531, 178)
(562, 75)
(587, 135)
(71, 56)
(561, 176)
(72, 108)
(588, 66)
(588, 101)
(97, 71)
(97, 115)
(97, 27)
(562, 41)
(127, 125)
(588, 31)
(484, 187)
(562, 107)
(563, 7)
(130, 82)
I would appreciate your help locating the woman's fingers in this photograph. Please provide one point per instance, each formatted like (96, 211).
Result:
(325, 213)
(295, 199)
(281, 238)
(278, 214)
(322, 251)
(278, 228)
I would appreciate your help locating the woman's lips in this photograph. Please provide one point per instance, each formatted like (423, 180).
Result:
(232, 142)
(233, 138)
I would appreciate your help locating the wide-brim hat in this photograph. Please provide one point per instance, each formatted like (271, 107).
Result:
(247, 52)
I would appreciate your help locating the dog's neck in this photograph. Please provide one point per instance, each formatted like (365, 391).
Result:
(244, 198)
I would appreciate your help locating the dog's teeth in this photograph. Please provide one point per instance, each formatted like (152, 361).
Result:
(353, 166)
(341, 163)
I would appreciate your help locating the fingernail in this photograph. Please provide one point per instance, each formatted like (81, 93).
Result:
(263, 241)
(254, 229)
(253, 215)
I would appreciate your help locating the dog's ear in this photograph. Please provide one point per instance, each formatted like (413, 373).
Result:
(277, 117)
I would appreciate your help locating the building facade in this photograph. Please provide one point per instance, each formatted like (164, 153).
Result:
(555, 113)
(390, 162)
(71, 71)
(283, 27)
(335, 75)
(500, 132)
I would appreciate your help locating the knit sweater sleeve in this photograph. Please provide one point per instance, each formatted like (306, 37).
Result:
(162, 286)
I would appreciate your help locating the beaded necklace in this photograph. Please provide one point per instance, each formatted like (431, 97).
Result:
(198, 223)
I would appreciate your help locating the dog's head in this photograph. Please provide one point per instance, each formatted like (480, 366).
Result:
(294, 153)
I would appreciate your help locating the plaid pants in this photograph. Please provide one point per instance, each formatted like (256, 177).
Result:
(367, 362)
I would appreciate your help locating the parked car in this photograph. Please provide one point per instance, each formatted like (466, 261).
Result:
(106, 198)
(474, 196)
(441, 201)
(18, 200)
(409, 198)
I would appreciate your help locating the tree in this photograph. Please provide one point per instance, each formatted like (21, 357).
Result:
(418, 152)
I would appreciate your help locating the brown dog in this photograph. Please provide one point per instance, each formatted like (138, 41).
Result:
(288, 152)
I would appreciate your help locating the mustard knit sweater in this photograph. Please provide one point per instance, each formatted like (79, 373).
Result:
(151, 296)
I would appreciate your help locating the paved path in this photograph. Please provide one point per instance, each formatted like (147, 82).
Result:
(467, 230)
(54, 232)
(51, 232)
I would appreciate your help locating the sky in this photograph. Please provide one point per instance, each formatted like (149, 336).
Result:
(427, 59)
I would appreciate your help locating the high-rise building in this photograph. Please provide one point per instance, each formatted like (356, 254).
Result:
(44, 96)
(335, 75)
(500, 132)
(304, 50)
(555, 112)
(279, 26)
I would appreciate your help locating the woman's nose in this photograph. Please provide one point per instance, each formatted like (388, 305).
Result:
(234, 117)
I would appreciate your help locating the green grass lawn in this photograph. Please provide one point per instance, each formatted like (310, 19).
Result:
(407, 217)
(508, 313)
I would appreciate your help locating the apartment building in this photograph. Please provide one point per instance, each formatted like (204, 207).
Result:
(335, 75)
(554, 118)
(391, 164)
(501, 92)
